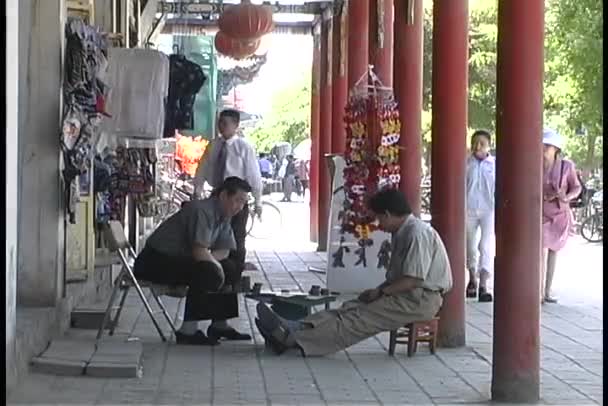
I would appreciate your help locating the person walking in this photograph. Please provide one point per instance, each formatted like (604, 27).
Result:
(232, 156)
(480, 184)
(289, 179)
(560, 187)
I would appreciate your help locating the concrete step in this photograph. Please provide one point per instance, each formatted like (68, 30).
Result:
(111, 359)
(90, 318)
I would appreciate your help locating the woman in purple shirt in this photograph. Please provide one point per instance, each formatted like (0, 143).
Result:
(560, 186)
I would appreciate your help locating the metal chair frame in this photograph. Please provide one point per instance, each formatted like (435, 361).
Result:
(126, 279)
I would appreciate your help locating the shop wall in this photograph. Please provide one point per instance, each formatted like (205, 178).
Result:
(40, 256)
(12, 189)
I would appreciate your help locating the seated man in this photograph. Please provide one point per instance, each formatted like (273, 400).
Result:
(191, 248)
(417, 277)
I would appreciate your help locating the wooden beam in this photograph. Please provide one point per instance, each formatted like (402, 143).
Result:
(205, 7)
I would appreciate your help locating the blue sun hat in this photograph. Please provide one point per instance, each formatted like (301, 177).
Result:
(551, 137)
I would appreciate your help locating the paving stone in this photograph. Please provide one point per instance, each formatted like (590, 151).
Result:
(114, 370)
(70, 350)
(55, 366)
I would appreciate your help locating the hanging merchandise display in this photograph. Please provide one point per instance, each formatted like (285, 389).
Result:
(186, 78)
(84, 92)
(188, 153)
(370, 162)
(132, 175)
(139, 87)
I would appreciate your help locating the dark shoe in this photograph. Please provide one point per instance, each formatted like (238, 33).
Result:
(484, 296)
(228, 333)
(550, 299)
(471, 290)
(275, 345)
(198, 338)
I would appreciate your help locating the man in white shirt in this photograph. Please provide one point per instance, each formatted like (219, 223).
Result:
(481, 184)
(226, 156)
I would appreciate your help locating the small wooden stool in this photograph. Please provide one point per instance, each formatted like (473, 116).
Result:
(413, 333)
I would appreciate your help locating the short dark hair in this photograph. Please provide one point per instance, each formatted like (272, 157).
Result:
(389, 200)
(263, 155)
(484, 133)
(232, 185)
(233, 114)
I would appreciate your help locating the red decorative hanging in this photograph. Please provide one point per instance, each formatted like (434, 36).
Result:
(235, 48)
(372, 155)
(246, 20)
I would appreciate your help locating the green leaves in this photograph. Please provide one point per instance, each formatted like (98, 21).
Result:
(289, 119)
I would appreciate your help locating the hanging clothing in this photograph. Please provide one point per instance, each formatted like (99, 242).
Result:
(84, 98)
(186, 78)
(139, 86)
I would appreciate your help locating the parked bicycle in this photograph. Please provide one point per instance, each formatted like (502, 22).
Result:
(268, 224)
(592, 227)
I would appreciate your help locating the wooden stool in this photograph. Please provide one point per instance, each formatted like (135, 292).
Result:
(413, 333)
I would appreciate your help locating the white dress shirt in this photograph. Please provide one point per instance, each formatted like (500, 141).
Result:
(241, 161)
(481, 184)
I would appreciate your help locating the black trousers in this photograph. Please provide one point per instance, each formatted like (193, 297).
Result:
(203, 302)
(239, 228)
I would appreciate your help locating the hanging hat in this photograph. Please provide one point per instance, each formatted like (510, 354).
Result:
(551, 137)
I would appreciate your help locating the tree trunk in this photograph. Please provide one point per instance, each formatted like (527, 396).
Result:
(590, 158)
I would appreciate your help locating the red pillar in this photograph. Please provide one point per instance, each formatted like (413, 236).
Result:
(358, 40)
(519, 124)
(325, 131)
(339, 85)
(448, 154)
(408, 92)
(381, 39)
(315, 135)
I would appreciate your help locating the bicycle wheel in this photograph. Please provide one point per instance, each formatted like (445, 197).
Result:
(592, 228)
(269, 225)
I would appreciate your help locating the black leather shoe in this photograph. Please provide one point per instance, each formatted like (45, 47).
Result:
(227, 333)
(484, 296)
(198, 338)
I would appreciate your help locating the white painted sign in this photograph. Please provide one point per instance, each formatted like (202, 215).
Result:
(354, 276)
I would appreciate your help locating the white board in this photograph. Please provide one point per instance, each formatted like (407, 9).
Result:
(352, 278)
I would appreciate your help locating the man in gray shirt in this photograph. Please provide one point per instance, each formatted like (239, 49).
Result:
(418, 275)
(191, 248)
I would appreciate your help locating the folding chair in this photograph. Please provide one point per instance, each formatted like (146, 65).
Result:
(126, 279)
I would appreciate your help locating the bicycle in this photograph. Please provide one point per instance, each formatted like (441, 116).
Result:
(592, 227)
(268, 223)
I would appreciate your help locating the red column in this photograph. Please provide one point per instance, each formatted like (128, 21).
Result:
(408, 92)
(519, 124)
(325, 131)
(315, 135)
(358, 40)
(381, 39)
(448, 154)
(339, 85)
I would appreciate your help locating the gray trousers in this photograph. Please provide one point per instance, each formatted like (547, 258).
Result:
(355, 321)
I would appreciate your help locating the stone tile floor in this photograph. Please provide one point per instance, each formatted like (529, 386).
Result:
(246, 373)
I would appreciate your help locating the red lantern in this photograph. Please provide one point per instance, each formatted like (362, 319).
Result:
(246, 20)
(234, 48)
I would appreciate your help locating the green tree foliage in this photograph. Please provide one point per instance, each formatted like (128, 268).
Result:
(574, 77)
(289, 119)
(573, 91)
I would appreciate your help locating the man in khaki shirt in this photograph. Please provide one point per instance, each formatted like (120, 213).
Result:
(418, 276)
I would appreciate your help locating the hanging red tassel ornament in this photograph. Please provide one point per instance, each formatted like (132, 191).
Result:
(372, 157)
